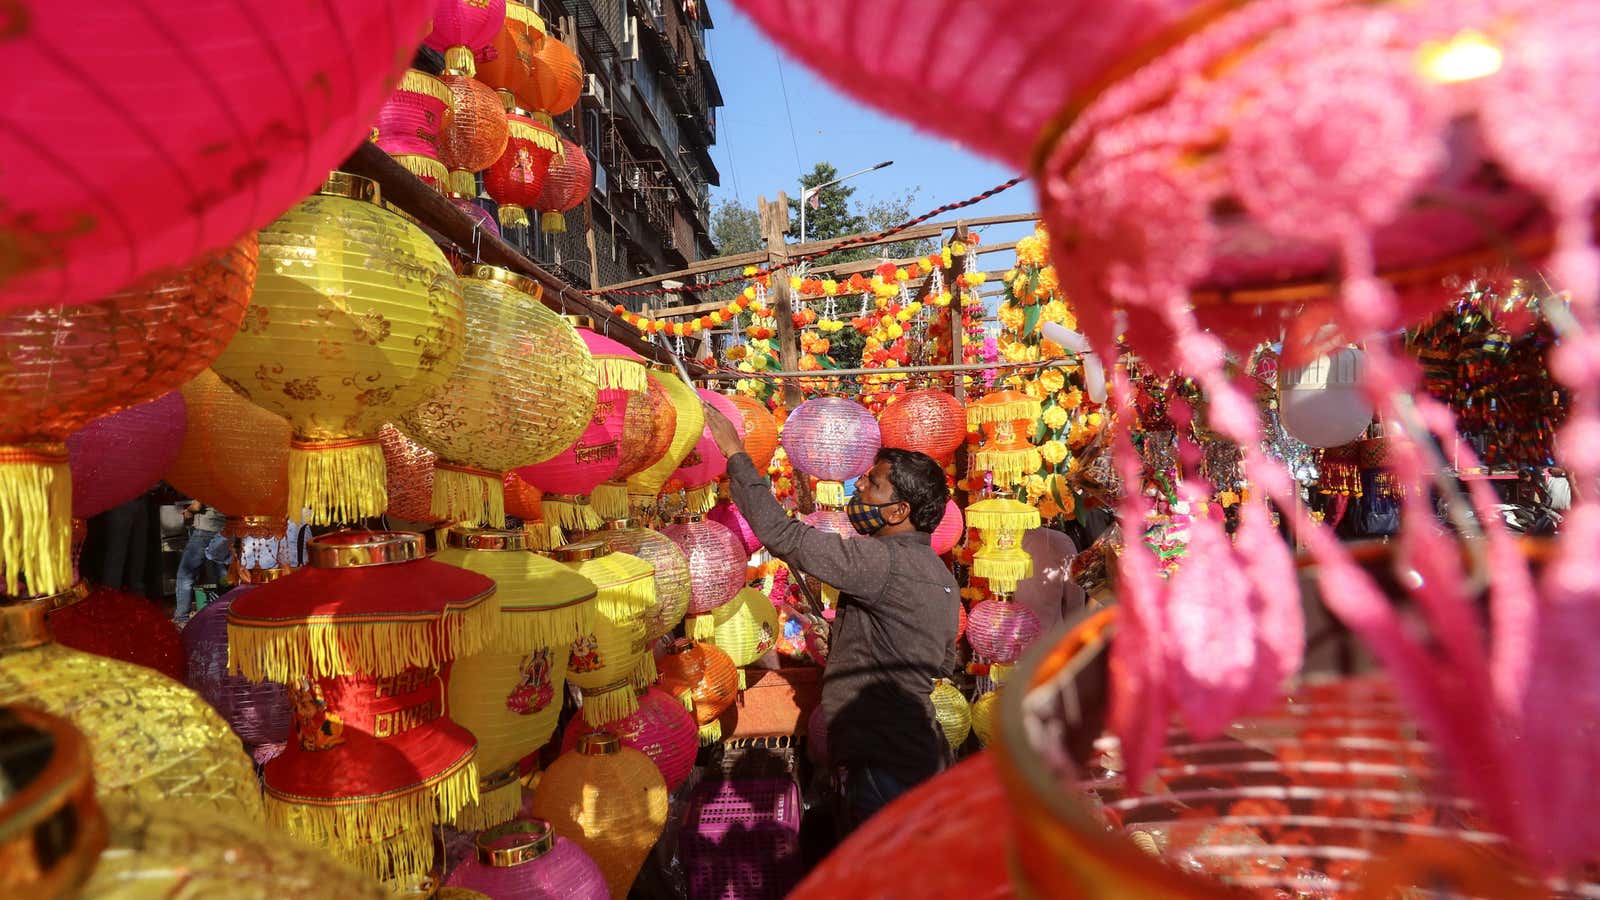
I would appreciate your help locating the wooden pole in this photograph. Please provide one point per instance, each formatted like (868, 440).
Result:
(958, 340)
(774, 223)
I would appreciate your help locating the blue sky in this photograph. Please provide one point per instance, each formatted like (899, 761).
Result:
(757, 157)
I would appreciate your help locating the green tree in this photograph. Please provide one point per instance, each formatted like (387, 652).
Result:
(735, 229)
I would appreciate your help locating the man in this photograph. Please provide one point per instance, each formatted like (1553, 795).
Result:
(207, 548)
(895, 628)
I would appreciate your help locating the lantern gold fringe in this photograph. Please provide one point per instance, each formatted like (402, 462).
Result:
(686, 697)
(542, 536)
(570, 513)
(702, 628)
(610, 500)
(393, 834)
(985, 413)
(340, 481)
(462, 182)
(618, 374)
(416, 81)
(830, 493)
(711, 733)
(1002, 515)
(1009, 467)
(1002, 568)
(492, 807)
(625, 599)
(744, 683)
(544, 138)
(645, 674)
(469, 496)
(553, 222)
(459, 59)
(700, 500)
(552, 627)
(610, 703)
(425, 167)
(513, 216)
(326, 647)
(35, 519)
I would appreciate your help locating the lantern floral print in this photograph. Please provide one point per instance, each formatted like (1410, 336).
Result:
(585, 655)
(315, 726)
(534, 691)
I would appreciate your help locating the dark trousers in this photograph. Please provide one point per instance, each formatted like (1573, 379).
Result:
(863, 790)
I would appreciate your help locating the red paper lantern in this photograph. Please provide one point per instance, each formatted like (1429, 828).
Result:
(716, 561)
(412, 123)
(108, 622)
(930, 421)
(571, 178)
(461, 26)
(116, 457)
(517, 178)
(477, 132)
(136, 159)
(661, 729)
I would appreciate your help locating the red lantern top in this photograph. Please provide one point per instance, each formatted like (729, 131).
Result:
(518, 177)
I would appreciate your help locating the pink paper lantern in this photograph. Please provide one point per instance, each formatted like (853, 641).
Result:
(481, 219)
(951, 526)
(552, 866)
(116, 458)
(411, 120)
(258, 712)
(461, 25)
(1000, 630)
(705, 464)
(568, 478)
(716, 561)
(138, 159)
(729, 515)
(833, 440)
(661, 729)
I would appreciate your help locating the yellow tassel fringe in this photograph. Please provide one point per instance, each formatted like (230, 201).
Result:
(570, 513)
(462, 182)
(1001, 514)
(384, 837)
(469, 496)
(425, 167)
(702, 628)
(542, 536)
(325, 647)
(687, 699)
(1009, 467)
(553, 223)
(830, 493)
(513, 216)
(619, 600)
(35, 519)
(610, 500)
(698, 501)
(1002, 568)
(610, 703)
(744, 683)
(340, 482)
(555, 628)
(460, 60)
(545, 138)
(492, 808)
(710, 734)
(985, 413)
(618, 374)
(645, 674)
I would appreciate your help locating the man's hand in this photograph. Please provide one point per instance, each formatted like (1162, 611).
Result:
(722, 431)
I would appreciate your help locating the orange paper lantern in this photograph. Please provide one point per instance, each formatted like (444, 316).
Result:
(235, 457)
(557, 75)
(507, 62)
(929, 421)
(703, 676)
(647, 428)
(477, 133)
(760, 431)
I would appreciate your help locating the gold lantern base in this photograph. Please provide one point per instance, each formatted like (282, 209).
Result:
(468, 495)
(35, 519)
(339, 481)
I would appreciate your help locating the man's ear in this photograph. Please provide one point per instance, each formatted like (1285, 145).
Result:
(905, 516)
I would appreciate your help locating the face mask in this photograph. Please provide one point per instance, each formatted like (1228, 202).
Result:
(866, 518)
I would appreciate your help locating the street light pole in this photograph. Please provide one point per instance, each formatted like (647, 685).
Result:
(806, 193)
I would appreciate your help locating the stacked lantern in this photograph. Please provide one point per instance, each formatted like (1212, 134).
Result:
(952, 711)
(662, 729)
(647, 431)
(1000, 522)
(509, 696)
(927, 421)
(116, 458)
(608, 799)
(235, 457)
(523, 390)
(608, 662)
(624, 385)
(555, 86)
(108, 622)
(462, 26)
(67, 365)
(833, 440)
(745, 628)
(477, 133)
(704, 679)
(705, 464)
(258, 712)
(716, 561)
(409, 477)
(1007, 420)
(411, 124)
(672, 576)
(527, 859)
(518, 176)
(760, 430)
(361, 636)
(689, 420)
(357, 317)
(728, 514)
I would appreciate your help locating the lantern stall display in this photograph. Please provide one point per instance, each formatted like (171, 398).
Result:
(610, 661)
(235, 457)
(727, 514)
(123, 350)
(952, 711)
(134, 171)
(716, 561)
(760, 430)
(1006, 419)
(689, 421)
(524, 388)
(385, 329)
(411, 124)
(570, 180)
(833, 440)
(622, 382)
(704, 679)
(745, 628)
(258, 712)
(952, 525)
(462, 26)
(927, 421)
(115, 458)
(108, 622)
(509, 694)
(506, 62)
(516, 179)
(360, 636)
(1000, 522)
(408, 479)
(608, 799)
(1001, 629)
(476, 135)
(661, 729)
(524, 860)
(672, 575)
(647, 430)
(705, 464)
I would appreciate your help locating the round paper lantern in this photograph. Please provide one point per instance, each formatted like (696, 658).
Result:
(116, 458)
(1006, 419)
(661, 729)
(176, 165)
(66, 365)
(700, 674)
(526, 860)
(460, 26)
(1001, 630)
(412, 123)
(258, 712)
(620, 369)
(571, 177)
(1321, 404)
(109, 622)
(833, 440)
(524, 389)
(705, 464)
(672, 578)
(477, 133)
(745, 628)
(557, 75)
(605, 664)
(608, 799)
(410, 476)
(728, 514)
(481, 218)
(930, 421)
(983, 713)
(357, 317)
(506, 63)
(951, 527)
(234, 456)
(716, 561)
(526, 502)
(955, 717)
(518, 176)
(567, 479)
(688, 424)
(760, 430)
(647, 430)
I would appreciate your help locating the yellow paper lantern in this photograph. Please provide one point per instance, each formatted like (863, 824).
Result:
(235, 457)
(608, 799)
(983, 713)
(606, 664)
(509, 696)
(1000, 522)
(955, 716)
(745, 628)
(671, 573)
(357, 317)
(523, 392)
(691, 422)
(1007, 420)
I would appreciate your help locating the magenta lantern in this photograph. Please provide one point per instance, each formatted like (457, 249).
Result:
(568, 478)
(525, 859)
(1000, 630)
(662, 729)
(461, 25)
(705, 463)
(833, 440)
(151, 132)
(481, 219)
(258, 712)
(116, 457)
(410, 125)
(716, 561)
(948, 534)
(729, 515)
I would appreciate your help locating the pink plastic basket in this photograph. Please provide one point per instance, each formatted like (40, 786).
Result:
(741, 839)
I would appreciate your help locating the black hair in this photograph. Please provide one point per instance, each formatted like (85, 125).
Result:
(919, 481)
